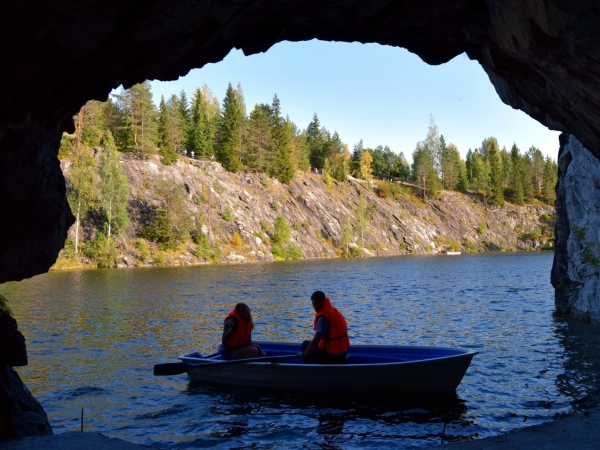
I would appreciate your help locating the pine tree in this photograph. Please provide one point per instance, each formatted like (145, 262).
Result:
(282, 165)
(496, 188)
(183, 110)
(230, 132)
(199, 134)
(315, 142)
(517, 175)
(550, 178)
(93, 123)
(114, 188)
(165, 134)
(258, 146)
(138, 128)
(176, 121)
(423, 171)
(536, 171)
(355, 158)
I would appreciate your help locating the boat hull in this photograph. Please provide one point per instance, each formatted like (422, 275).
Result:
(369, 368)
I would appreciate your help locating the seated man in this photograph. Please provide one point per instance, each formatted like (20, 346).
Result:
(330, 341)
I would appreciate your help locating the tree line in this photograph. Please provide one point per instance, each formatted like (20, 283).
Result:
(267, 141)
(264, 140)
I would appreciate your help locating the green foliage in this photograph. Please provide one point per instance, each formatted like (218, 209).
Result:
(102, 250)
(327, 172)
(279, 252)
(82, 190)
(137, 131)
(425, 160)
(578, 231)
(294, 252)
(448, 243)
(470, 246)
(589, 256)
(114, 189)
(481, 228)
(142, 248)
(168, 224)
(227, 215)
(550, 179)
(364, 211)
(281, 233)
(496, 186)
(347, 236)
(205, 249)
(160, 259)
(275, 205)
(282, 137)
(229, 142)
(533, 235)
(265, 227)
(283, 252)
(165, 133)
(517, 176)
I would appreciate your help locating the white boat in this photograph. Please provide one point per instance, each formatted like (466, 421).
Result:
(452, 253)
(368, 368)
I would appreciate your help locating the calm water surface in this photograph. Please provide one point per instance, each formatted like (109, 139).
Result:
(94, 336)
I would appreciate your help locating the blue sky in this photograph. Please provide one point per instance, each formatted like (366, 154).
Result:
(383, 95)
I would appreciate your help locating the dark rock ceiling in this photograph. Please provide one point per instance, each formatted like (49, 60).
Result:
(541, 55)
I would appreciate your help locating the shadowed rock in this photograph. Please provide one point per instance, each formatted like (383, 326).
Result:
(20, 413)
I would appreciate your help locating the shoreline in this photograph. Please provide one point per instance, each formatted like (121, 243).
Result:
(252, 261)
(579, 431)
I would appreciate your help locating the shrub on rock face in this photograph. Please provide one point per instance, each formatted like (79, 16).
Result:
(281, 234)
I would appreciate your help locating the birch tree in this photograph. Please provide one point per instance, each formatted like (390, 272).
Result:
(114, 188)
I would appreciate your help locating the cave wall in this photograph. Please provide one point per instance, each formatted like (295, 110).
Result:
(542, 56)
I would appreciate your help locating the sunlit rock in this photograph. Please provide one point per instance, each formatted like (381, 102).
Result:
(576, 268)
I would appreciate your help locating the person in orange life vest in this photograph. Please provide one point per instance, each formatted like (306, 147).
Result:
(330, 341)
(237, 335)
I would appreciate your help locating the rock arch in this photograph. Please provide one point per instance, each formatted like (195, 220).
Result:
(542, 56)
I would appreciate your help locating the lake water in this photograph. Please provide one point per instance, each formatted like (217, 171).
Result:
(94, 336)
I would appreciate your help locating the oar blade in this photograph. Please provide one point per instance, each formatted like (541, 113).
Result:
(171, 368)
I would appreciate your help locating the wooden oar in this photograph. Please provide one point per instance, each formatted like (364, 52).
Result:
(183, 367)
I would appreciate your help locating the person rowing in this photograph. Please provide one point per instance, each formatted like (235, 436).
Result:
(330, 342)
(237, 335)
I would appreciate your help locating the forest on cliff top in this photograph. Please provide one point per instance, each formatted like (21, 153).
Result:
(112, 137)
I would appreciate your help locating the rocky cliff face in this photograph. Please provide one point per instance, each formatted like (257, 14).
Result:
(20, 413)
(576, 268)
(249, 203)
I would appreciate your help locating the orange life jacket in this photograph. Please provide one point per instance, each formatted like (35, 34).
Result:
(338, 340)
(241, 335)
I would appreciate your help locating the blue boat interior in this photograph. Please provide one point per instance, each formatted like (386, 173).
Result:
(359, 354)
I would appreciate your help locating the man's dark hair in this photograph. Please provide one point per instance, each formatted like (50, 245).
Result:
(318, 295)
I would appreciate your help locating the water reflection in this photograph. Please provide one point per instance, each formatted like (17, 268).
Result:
(579, 376)
(335, 418)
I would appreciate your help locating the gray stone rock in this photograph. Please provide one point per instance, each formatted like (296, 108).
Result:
(576, 268)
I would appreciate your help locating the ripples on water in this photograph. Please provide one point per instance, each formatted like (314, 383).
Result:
(94, 336)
